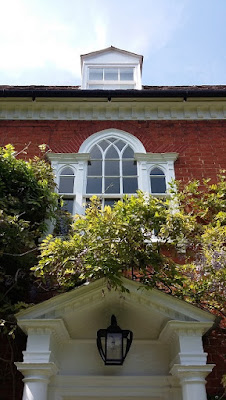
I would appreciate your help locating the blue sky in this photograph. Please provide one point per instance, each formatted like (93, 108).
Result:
(182, 41)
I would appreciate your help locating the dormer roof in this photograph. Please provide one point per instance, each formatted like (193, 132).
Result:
(111, 49)
(111, 68)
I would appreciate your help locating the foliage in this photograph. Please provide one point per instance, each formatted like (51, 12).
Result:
(176, 245)
(27, 201)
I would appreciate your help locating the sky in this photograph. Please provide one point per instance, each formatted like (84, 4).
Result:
(183, 41)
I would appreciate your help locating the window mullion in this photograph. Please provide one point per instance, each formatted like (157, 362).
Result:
(121, 174)
(103, 174)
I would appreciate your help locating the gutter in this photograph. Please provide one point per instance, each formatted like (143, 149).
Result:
(111, 94)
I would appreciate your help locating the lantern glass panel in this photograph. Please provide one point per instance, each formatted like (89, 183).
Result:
(114, 347)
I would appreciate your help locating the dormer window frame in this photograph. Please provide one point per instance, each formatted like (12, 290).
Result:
(114, 83)
(111, 58)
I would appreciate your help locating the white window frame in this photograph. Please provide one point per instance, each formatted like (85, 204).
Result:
(136, 82)
(145, 163)
(112, 83)
(129, 141)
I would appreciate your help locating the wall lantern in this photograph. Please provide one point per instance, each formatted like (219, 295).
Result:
(114, 343)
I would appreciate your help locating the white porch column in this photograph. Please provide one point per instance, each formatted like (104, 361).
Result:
(192, 379)
(36, 379)
(39, 359)
(188, 360)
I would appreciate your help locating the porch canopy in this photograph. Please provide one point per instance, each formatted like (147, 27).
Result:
(166, 360)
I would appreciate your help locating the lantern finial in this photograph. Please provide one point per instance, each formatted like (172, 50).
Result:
(113, 320)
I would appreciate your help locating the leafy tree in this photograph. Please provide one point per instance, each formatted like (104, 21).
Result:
(176, 245)
(27, 201)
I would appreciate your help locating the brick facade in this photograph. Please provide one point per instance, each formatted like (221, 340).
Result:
(215, 345)
(200, 146)
(199, 143)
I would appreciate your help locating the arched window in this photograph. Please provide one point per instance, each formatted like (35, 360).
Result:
(109, 164)
(112, 170)
(66, 188)
(158, 181)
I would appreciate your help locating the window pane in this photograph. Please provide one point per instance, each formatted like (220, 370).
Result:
(96, 74)
(95, 168)
(129, 168)
(112, 153)
(68, 205)
(112, 86)
(126, 74)
(112, 185)
(158, 184)
(157, 171)
(128, 153)
(95, 153)
(103, 144)
(126, 86)
(120, 144)
(66, 184)
(67, 171)
(130, 185)
(112, 168)
(94, 185)
(110, 202)
(95, 86)
(111, 74)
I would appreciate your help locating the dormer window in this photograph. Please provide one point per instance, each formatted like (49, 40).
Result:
(111, 68)
(111, 78)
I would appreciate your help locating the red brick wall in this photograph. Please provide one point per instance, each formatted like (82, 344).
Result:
(200, 144)
(215, 345)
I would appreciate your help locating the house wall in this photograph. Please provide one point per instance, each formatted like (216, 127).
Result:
(200, 146)
(199, 143)
(82, 357)
(214, 344)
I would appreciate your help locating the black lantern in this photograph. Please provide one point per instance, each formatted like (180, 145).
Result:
(114, 343)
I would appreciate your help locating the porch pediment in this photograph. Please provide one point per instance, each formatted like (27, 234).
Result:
(79, 313)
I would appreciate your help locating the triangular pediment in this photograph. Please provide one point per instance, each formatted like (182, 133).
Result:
(105, 55)
(88, 308)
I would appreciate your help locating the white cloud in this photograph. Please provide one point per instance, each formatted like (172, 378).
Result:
(41, 40)
(34, 35)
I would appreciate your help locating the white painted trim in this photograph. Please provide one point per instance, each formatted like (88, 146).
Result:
(132, 140)
(83, 295)
(116, 109)
(146, 161)
(42, 326)
(189, 328)
(67, 157)
(156, 157)
(153, 387)
(111, 57)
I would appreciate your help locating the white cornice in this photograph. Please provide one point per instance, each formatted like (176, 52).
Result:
(84, 295)
(116, 109)
(39, 370)
(69, 157)
(187, 328)
(156, 157)
(42, 326)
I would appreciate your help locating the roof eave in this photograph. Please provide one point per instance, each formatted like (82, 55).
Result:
(110, 94)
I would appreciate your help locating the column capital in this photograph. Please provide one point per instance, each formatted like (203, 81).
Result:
(37, 371)
(191, 373)
(192, 380)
